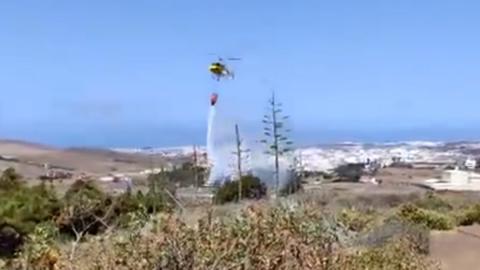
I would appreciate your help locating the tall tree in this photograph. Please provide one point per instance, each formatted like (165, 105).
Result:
(275, 132)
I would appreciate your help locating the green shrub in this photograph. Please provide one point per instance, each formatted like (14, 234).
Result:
(185, 175)
(84, 189)
(469, 216)
(259, 238)
(84, 209)
(21, 209)
(10, 180)
(356, 220)
(429, 218)
(252, 188)
(25, 207)
(395, 228)
(83, 205)
(155, 202)
(124, 204)
(87, 209)
(160, 182)
(396, 254)
(433, 202)
(41, 248)
(349, 172)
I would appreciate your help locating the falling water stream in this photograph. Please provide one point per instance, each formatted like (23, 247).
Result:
(211, 144)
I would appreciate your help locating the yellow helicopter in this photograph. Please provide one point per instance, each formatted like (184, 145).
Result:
(220, 70)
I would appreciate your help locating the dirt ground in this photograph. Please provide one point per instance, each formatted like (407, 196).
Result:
(458, 249)
(392, 175)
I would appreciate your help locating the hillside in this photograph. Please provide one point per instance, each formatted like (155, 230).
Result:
(29, 159)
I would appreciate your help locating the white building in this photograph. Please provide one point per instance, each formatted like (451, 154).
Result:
(471, 164)
(456, 180)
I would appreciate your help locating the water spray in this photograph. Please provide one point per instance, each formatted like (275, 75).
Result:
(210, 144)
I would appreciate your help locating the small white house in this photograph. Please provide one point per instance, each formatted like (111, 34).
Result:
(106, 178)
(470, 164)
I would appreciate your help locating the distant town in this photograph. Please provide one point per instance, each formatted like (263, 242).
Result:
(323, 158)
(433, 165)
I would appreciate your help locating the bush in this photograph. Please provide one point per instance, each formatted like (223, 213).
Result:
(21, 209)
(159, 183)
(396, 254)
(24, 207)
(252, 188)
(469, 216)
(161, 190)
(41, 249)
(356, 220)
(290, 237)
(11, 240)
(87, 209)
(155, 202)
(124, 204)
(84, 189)
(84, 204)
(293, 184)
(184, 175)
(10, 180)
(84, 209)
(259, 238)
(428, 218)
(433, 202)
(349, 172)
(394, 228)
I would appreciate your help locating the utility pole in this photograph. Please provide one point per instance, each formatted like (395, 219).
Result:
(238, 154)
(239, 162)
(195, 167)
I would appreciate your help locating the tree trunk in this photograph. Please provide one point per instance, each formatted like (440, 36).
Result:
(275, 145)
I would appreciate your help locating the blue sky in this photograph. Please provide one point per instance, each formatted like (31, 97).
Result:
(124, 73)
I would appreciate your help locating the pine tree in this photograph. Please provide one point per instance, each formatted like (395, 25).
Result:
(275, 132)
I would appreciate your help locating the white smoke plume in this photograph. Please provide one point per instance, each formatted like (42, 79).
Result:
(220, 148)
(220, 145)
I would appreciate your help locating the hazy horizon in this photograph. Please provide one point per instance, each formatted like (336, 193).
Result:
(169, 138)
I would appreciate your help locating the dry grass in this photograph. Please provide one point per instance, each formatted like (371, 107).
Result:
(261, 236)
(315, 230)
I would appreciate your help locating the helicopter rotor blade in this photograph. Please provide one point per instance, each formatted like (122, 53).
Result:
(219, 59)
